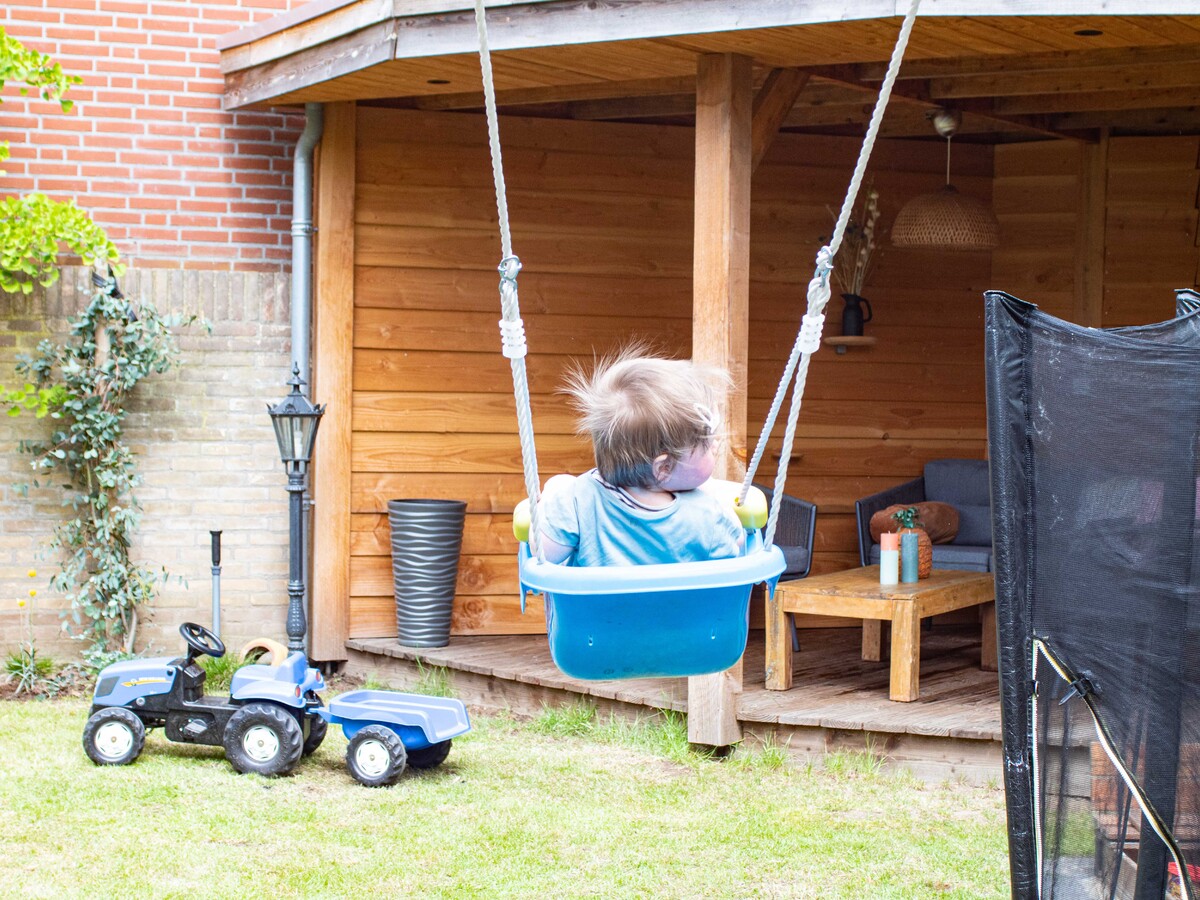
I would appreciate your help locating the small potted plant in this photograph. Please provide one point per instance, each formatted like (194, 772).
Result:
(908, 519)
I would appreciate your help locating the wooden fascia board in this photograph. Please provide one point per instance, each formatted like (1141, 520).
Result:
(421, 30)
(521, 24)
(351, 53)
(291, 57)
(336, 20)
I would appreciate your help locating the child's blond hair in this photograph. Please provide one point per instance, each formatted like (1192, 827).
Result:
(637, 407)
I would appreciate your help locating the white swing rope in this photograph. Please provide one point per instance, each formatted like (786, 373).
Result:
(512, 329)
(808, 339)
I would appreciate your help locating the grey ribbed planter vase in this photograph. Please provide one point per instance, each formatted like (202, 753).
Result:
(426, 544)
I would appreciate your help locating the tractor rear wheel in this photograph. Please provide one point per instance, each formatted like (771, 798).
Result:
(375, 756)
(429, 757)
(263, 738)
(317, 728)
(113, 737)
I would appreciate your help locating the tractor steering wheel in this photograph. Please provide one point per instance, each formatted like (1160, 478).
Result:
(201, 641)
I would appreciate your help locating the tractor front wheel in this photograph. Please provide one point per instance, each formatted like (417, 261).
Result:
(263, 738)
(375, 756)
(113, 737)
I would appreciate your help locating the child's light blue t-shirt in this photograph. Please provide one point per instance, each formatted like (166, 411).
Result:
(609, 528)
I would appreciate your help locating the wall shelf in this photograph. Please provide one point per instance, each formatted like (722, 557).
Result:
(841, 341)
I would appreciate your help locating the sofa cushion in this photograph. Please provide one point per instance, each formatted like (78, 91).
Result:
(795, 560)
(953, 556)
(974, 526)
(950, 556)
(959, 482)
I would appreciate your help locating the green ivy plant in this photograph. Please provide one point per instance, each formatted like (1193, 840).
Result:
(85, 384)
(33, 226)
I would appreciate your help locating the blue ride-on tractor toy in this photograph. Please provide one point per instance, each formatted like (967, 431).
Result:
(272, 717)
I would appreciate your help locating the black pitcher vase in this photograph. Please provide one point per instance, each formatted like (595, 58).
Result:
(852, 316)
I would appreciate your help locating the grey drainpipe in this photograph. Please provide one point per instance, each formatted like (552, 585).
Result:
(302, 281)
(302, 232)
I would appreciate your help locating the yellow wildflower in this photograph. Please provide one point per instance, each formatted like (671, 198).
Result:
(20, 603)
(33, 573)
(33, 592)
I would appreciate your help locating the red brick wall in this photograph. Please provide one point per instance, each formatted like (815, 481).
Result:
(175, 180)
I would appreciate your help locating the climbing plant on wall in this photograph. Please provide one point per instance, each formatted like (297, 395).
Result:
(83, 384)
(88, 380)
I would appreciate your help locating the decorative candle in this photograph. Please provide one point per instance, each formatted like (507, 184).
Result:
(909, 565)
(889, 558)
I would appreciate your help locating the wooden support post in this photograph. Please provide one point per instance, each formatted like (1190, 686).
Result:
(1090, 233)
(333, 342)
(720, 310)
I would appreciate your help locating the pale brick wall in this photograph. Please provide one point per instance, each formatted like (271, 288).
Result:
(198, 201)
(207, 453)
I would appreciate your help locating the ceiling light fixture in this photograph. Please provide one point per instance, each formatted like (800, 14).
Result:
(946, 219)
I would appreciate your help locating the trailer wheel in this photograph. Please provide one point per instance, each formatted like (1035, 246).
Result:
(376, 756)
(317, 727)
(263, 738)
(429, 757)
(113, 737)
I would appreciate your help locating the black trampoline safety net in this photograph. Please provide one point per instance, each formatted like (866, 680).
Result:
(1093, 438)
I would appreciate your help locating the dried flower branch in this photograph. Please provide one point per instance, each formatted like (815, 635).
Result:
(854, 259)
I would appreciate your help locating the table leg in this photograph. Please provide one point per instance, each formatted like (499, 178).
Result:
(987, 655)
(906, 651)
(872, 640)
(779, 646)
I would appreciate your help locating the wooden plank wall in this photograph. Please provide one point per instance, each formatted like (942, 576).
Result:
(602, 219)
(1150, 225)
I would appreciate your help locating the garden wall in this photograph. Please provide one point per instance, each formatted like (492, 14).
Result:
(198, 200)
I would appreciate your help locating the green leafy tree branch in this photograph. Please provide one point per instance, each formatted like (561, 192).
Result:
(32, 226)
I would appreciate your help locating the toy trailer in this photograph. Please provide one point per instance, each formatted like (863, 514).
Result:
(389, 731)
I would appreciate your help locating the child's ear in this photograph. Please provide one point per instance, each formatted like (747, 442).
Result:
(663, 467)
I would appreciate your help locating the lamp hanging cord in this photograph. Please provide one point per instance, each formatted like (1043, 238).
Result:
(512, 329)
(808, 339)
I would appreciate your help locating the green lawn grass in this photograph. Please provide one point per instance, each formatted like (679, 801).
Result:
(566, 806)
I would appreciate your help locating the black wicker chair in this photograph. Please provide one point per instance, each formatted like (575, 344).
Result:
(794, 535)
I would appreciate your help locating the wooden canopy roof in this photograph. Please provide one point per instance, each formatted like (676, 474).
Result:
(1017, 70)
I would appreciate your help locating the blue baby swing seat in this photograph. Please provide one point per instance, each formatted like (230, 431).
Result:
(689, 618)
(686, 618)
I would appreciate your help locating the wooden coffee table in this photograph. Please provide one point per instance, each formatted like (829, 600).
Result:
(857, 593)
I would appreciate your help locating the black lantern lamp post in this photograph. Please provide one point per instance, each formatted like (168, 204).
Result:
(296, 421)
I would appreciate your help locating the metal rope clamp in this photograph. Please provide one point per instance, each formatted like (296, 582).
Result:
(512, 331)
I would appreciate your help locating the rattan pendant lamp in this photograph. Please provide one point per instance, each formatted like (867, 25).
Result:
(946, 219)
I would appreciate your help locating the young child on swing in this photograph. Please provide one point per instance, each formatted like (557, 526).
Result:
(653, 423)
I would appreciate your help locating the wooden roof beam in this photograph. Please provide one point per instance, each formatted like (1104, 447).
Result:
(772, 104)
(1108, 57)
(1157, 76)
(566, 93)
(922, 94)
(1091, 102)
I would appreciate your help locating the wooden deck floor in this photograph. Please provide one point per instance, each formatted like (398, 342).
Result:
(839, 701)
